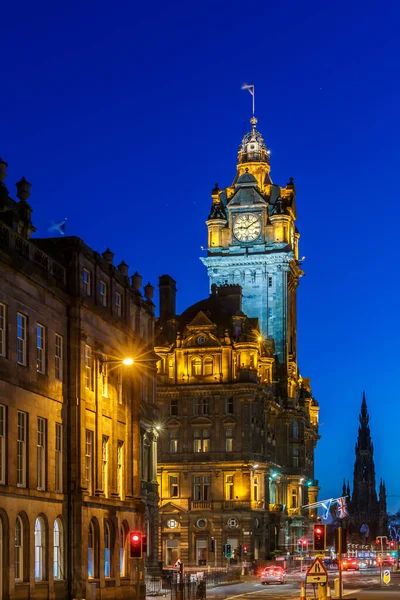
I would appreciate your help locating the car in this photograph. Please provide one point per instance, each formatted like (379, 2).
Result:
(350, 564)
(273, 575)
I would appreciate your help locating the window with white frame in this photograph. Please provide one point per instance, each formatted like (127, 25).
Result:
(40, 348)
(295, 457)
(41, 453)
(87, 284)
(104, 379)
(22, 433)
(40, 539)
(58, 550)
(3, 329)
(201, 487)
(59, 458)
(201, 440)
(58, 357)
(173, 486)
(118, 304)
(2, 443)
(104, 463)
(122, 552)
(107, 550)
(229, 487)
(120, 468)
(19, 550)
(228, 440)
(103, 293)
(88, 368)
(173, 441)
(22, 333)
(89, 461)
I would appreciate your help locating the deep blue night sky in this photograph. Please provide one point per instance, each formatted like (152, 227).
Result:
(124, 115)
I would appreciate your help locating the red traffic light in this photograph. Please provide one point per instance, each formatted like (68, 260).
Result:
(319, 533)
(245, 549)
(304, 542)
(135, 540)
(392, 544)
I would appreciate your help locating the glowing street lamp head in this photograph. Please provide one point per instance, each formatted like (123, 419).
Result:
(127, 362)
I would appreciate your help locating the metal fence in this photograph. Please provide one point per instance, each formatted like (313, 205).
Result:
(190, 585)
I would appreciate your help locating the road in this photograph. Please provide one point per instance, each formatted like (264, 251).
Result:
(361, 585)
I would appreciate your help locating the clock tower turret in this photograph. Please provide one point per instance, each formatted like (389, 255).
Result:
(253, 242)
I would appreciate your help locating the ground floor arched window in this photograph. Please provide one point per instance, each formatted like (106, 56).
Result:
(19, 550)
(58, 549)
(40, 540)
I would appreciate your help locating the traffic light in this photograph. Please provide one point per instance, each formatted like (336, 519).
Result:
(319, 535)
(343, 549)
(245, 550)
(392, 545)
(228, 550)
(135, 540)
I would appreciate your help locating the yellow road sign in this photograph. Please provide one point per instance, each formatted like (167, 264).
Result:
(386, 576)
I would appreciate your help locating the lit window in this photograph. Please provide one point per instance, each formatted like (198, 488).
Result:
(58, 542)
(91, 553)
(122, 553)
(173, 442)
(196, 366)
(229, 487)
(87, 282)
(104, 464)
(40, 348)
(118, 303)
(103, 293)
(173, 486)
(255, 488)
(120, 468)
(208, 366)
(39, 549)
(107, 550)
(88, 367)
(229, 440)
(89, 461)
(2, 443)
(41, 453)
(3, 329)
(19, 550)
(21, 448)
(21, 338)
(59, 457)
(58, 357)
(201, 440)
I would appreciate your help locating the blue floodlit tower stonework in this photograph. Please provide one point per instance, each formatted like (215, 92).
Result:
(253, 241)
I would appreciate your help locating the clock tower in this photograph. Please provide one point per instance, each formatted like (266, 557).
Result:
(253, 242)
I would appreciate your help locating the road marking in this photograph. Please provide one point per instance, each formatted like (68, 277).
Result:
(351, 592)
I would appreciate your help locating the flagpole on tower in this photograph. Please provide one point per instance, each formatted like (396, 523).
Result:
(250, 88)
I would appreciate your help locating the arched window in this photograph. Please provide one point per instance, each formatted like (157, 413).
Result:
(58, 542)
(40, 541)
(19, 550)
(196, 366)
(122, 552)
(107, 550)
(208, 366)
(91, 553)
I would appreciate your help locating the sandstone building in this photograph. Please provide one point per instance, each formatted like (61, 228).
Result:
(77, 427)
(240, 425)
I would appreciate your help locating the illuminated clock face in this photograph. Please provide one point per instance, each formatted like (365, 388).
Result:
(247, 227)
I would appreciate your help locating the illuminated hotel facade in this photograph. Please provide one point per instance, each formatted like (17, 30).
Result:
(236, 458)
(78, 444)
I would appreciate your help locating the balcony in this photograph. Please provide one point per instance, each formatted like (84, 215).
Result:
(275, 508)
(200, 505)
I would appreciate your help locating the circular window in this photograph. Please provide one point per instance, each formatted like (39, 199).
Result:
(201, 523)
(172, 524)
(233, 523)
(201, 340)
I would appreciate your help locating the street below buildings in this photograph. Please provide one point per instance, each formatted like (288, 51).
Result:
(361, 585)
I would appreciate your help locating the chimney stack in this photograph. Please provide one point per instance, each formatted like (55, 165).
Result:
(167, 287)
